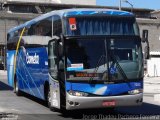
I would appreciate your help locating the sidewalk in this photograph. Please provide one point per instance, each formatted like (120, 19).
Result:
(3, 72)
(152, 80)
(152, 87)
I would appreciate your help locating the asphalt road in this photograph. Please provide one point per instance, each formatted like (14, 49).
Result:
(29, 108)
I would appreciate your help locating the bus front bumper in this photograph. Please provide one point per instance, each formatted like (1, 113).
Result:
(74, 102)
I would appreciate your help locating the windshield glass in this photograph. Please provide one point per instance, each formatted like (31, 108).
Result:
(125, 59)
(93, 58)
(101, 26)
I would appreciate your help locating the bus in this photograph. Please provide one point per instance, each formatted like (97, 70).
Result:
(78, 59)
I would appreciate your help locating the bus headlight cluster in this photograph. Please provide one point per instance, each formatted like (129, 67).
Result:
(136, 91)
(77, 93)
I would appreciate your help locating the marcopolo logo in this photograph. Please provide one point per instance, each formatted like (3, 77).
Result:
(32, 59)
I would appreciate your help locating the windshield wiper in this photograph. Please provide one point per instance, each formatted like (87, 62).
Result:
(113, 57)
(100, 59)
(97, 66)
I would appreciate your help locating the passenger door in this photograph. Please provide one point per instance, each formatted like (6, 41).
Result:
(53, 75)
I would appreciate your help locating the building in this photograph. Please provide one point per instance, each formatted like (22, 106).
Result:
(76, 2)
(156, 14)
(153, 64)
(43, 7)
(13, 13)
(153, 25)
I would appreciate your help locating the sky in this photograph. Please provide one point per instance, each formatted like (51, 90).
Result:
(150, 4)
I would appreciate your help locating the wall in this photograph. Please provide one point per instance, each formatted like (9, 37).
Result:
(13, 20)
(80, 2)
(153, 27)
(153, 66)
(5, 25)
(76, 2)
(155, 14)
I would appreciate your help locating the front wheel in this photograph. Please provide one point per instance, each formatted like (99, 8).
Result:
(49, 98)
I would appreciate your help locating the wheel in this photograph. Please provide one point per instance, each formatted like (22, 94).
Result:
(48, 98)
(16, 89)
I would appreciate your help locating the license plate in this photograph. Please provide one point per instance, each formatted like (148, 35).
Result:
(108, 103)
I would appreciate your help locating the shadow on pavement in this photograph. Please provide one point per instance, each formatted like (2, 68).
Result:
(34, 99)
(146, 111)
(4, 86)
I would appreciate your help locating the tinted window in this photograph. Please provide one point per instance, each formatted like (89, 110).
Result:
(57, 25)
(101, 26)
(42, 28)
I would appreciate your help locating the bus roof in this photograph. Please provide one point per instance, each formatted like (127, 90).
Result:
(73, 12)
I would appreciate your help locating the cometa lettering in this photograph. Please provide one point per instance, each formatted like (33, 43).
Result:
(32, 59)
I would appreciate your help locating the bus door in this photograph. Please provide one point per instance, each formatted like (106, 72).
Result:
(53, 75)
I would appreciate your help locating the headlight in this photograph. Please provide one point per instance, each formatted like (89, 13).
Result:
(136, 91)
(76, 93)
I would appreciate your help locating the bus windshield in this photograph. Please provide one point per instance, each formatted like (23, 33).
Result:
(93, 58)
(101, 26)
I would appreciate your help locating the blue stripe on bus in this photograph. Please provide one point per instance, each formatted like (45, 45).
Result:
(104, 89)
(23, 77)
(31, 77)
(124, 13)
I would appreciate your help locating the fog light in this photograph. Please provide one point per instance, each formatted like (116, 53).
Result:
(71, 102)
(76, 103)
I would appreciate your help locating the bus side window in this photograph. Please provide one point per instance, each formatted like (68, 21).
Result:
(39, 30)
(31, 30)
(42, 28)
(57, 25)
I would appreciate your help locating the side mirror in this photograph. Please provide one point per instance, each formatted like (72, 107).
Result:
(61, 65)
(146, 52)
(60, 49)
(144, 35)
(55, 48)
(55, 45)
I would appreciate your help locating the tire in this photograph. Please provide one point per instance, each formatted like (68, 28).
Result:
(16, 89)
(48, 98)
